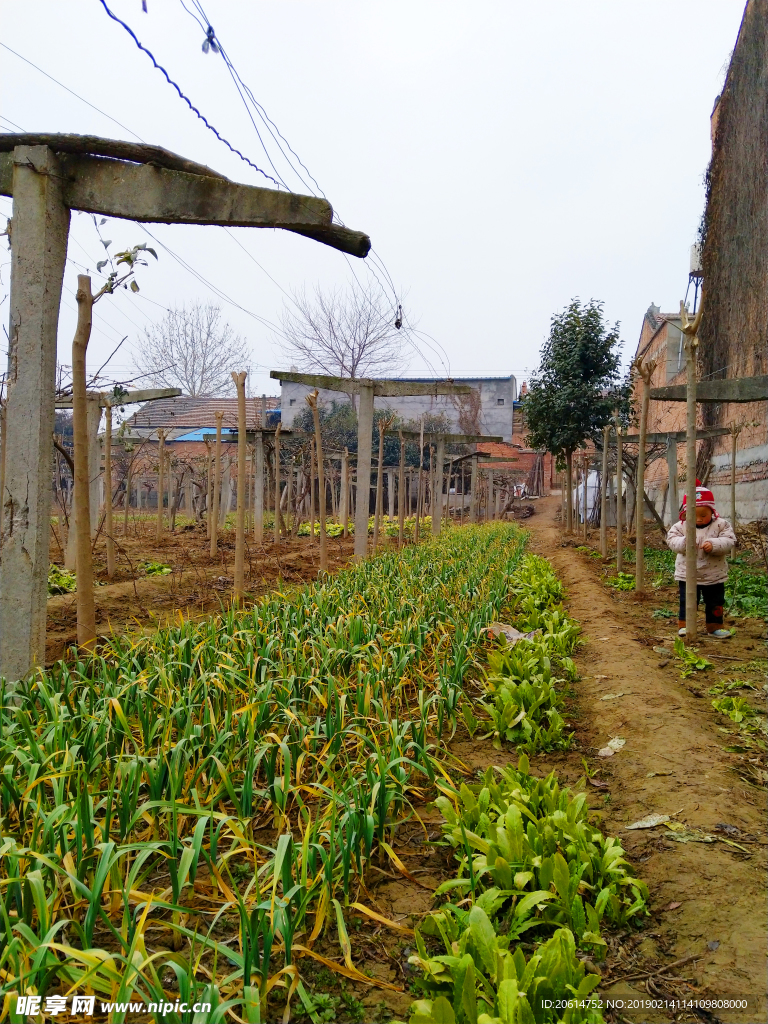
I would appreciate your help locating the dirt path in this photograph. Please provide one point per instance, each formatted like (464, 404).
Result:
(707, 898)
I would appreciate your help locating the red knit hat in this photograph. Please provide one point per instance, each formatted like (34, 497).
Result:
(704, 499)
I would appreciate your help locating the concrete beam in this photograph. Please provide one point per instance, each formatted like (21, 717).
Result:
(414, 435)
(145, 192)
(129, 398)
(486, 459)
(380, 388)
(40, 230)
(152, 191)
(737, 389)
(679, 436)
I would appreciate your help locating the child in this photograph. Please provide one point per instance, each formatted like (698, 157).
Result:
(714, 539)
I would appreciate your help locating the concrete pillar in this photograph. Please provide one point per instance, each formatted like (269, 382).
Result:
(40, 229)
(364, 435)
(474, 484)
(258, 505)
(391, 493)
(672, 500)
(489, 497)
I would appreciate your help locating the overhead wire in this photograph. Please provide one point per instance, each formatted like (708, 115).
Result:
(185, 98)
(72, 91)
(375, 265)
(242, 87)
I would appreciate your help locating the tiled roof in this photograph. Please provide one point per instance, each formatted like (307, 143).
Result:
(189, 413)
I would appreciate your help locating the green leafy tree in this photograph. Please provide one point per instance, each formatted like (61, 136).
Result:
(577, 387)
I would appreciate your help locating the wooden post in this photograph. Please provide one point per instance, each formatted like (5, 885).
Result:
(585, 503)
(364, 441)
(312, 403)
(474, 484)
(172, 499)
(277, 484)
(691, 342)
(645, 369)
(86, 609)
(437, 511)
(160, 484)
(209, 487)
(419, 487)
(214, 514)
(128, 485)
(569, 492)
(242, 440)
(312, 491)
(401, 495)
(490, 497)
(735, 431)
(673, 500)
(604, 494)
(344, 496)
(619, 496)
(108, 521)
(258, 498)
(383, 425)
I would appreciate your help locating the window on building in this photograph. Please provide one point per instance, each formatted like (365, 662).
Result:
(675, 353)
(499, 401)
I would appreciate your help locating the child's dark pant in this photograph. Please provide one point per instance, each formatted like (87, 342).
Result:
(713, 596)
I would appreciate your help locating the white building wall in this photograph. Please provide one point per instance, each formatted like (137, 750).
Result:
(497, 395)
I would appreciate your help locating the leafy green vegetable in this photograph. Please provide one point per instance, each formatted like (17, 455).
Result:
(691, 660)
(61, 581)
(155, 568)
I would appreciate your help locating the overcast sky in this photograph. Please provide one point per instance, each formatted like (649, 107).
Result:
(504, 157)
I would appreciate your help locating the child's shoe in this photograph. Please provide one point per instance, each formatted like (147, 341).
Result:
(681, 631)
(720, 634)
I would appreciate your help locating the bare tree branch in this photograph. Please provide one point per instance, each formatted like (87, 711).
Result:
(192, 348)
(348, 333)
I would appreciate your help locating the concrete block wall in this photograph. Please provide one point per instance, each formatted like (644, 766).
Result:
(497, 396)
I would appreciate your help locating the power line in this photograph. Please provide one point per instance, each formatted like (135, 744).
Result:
(212, 40)
(186, 99)
(72, 91)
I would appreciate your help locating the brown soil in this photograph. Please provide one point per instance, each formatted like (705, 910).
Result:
(197, 586)
(707, 898)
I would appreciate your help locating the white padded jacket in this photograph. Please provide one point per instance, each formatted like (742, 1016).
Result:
(710, 568)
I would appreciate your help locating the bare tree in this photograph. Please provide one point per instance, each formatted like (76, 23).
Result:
(351, 333)
(192, 348)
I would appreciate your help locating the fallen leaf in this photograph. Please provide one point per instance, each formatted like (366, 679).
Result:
(713, 945)
(649, 822)
(598, 784)
(606, 752)
(681, 834)
(601, 677)
(653, 775)
(673, 906)
(603, 638)
(612, 696)
(616, 743)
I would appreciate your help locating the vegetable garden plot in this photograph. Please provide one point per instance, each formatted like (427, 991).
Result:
(135, 785)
